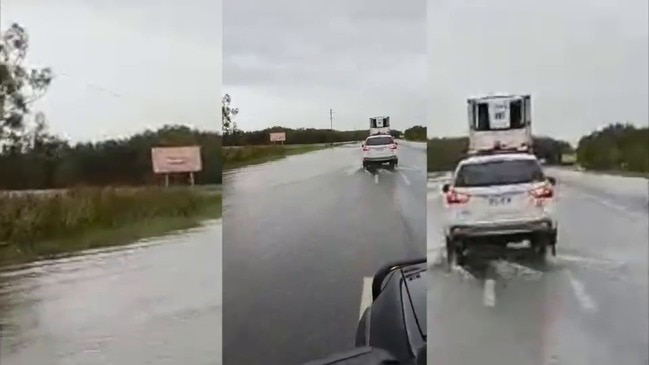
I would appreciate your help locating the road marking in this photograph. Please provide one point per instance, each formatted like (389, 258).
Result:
(509, 270)
(376, 178)
(610, 264)
(404, 178)
(351, 171)
(366, 295)
(489, 294)
(606, 203)
(586, 302)
(464, 273)
(407, 168)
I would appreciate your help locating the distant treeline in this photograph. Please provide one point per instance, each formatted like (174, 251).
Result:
(617, 147)
(47, 162)
(415, 133)
(445, 153)
(621, 147)
(296, 136)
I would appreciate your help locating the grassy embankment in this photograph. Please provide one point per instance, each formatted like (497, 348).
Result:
(239, 156)
(34, 226)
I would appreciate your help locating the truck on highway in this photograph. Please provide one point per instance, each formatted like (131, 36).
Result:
(500, 122)
(379, 125)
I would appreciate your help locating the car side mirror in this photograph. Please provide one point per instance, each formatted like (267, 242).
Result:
(446, 188)
(552, 180)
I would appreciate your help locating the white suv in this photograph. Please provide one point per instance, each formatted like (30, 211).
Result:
(498, 199)
(378, 150)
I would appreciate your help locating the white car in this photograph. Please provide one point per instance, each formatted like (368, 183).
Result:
(378, 150)
(498, 199)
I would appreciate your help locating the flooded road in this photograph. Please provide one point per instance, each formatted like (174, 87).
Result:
(303, 238)
(154, 302)
(586, 306)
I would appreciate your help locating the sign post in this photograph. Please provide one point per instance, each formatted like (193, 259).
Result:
(278, 137)
(169, 160)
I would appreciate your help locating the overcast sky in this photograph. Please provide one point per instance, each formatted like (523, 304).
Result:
(584, 61)
(286, 62)
(163, 59)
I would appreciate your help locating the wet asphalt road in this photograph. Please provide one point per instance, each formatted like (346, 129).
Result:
(155, 302)
(300, 236)
(586, 306)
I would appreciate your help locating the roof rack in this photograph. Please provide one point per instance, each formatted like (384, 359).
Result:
(498, 149)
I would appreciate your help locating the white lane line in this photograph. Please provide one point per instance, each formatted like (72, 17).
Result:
(435, 256)
(366, 295)
(367, 172)
(606, 203)
(592, 261)
(509, 270)
(351, 171)
(587, 303)
(376, 178)
(489, 294)
(464, 273)
(404, 177)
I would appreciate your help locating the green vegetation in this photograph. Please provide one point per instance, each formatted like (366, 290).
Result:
(621, 148)
(416, 133)
(81, 212)
(240, 156)
(47, 162)
(618, 149)
(34, 225)
(301, 136)
(445, 153)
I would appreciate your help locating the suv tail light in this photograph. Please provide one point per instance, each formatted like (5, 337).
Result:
(365, 148)
(393, 146)
(453, 197)
(544, 192)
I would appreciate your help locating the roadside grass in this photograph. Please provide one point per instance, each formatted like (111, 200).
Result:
(40, 226)
(240, 156)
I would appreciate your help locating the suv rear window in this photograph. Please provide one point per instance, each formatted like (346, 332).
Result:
(377, 141)
(503, 172)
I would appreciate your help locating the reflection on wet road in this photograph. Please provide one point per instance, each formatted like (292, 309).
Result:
(302, 236)
(155, 302)
(588, 305)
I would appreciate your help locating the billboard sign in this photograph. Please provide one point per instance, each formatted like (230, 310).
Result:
(167, 160)
(278, 137)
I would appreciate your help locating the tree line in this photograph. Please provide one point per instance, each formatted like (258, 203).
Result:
(296, 136)
(616, 147)
(32, 158)
(445, 153)
(415, 133)
(49, 162)
(620, 147)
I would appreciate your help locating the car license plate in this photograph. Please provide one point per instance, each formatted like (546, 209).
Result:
(379, 149)
(499, 200)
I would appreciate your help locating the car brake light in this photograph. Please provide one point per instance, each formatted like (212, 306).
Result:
(365, 148)
(544, 192)
(453, 197)
(393, 146)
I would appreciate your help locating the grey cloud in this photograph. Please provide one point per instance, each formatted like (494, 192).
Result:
(585, 62)
(161, 58)
(372, 51)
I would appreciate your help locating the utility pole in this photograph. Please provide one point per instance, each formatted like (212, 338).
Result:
(331, 125)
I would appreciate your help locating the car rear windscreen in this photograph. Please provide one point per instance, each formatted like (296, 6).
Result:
(377, 141)
(503, 172)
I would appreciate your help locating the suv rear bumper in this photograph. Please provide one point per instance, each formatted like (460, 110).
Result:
(380, 159)
(523, 229)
